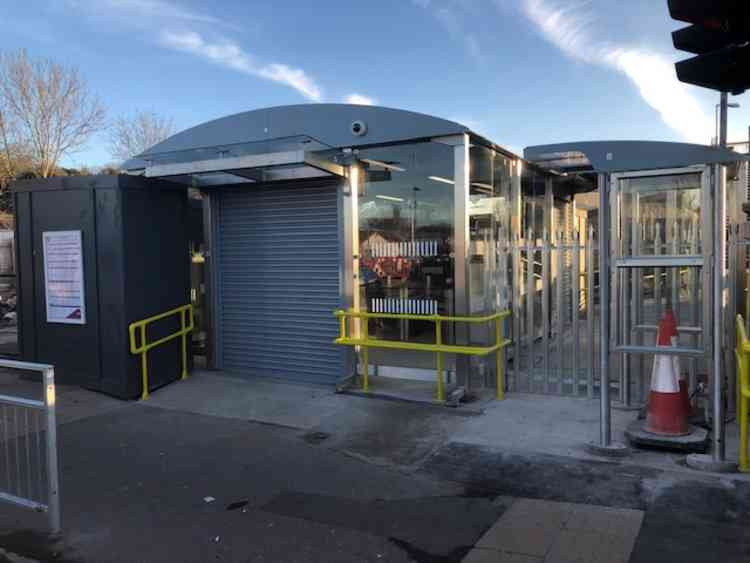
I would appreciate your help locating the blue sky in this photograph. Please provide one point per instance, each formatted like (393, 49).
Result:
(521, 72)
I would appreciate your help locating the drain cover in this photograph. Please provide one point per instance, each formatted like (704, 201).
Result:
(315, 437)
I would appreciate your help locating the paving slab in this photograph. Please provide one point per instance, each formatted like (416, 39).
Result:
(557, 532)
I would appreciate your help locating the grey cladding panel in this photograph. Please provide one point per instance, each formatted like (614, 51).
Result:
(278, 260)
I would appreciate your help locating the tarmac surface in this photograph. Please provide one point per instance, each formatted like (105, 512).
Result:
(190, 476)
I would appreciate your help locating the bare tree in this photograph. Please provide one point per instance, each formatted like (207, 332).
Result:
(50, 107)
(15, 159)
(130, 136)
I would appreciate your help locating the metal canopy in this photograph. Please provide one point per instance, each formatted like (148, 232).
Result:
(252, 168)
(623, 156)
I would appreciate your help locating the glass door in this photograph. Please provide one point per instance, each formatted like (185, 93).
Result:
(661, 245)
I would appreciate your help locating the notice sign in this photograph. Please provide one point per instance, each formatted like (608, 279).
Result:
(63, 277)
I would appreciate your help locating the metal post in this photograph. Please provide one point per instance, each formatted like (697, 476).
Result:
(719, 446)
(605, 224)
(576, 289)
(545, 308)
(723, 119)
(349, 217)
(461, 164)
(560, 312)
(530, 292)
(209, 267)
(515, 237)
(53, 486)
(439, 360)
(590, 305)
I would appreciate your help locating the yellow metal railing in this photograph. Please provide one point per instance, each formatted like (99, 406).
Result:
(142, 348)
(439, 347)
(742, 352)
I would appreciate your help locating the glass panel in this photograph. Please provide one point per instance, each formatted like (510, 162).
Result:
(406, 225)
(489, 223)
(649, 293)
(661, 215)
(284, 144)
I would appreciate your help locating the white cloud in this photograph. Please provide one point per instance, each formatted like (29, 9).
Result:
(567, 25)
(451, 22)
(360, 100)
(232, 56)
(148, 9)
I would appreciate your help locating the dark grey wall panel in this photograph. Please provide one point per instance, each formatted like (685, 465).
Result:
(67, 346)
(135, 253)
(111, 276)
(278, 258)
(25, 276)
(157, 266)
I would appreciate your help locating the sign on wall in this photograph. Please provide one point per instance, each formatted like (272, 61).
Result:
(63, 277)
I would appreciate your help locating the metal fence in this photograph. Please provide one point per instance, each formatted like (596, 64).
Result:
(28, 447)
(555, 336)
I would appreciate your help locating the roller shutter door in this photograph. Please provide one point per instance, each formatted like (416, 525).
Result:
(278, 281)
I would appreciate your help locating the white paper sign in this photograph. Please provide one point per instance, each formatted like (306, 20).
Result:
(63, 277)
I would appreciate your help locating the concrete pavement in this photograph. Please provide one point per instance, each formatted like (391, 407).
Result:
(260, 472)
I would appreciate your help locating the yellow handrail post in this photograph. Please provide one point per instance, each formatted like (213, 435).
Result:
(365, 355)
(364, 342)
(439, 359)
(187, 324)
(184, 374)
(144, 364)
(499, 364)
(742, 412)
(743, 391)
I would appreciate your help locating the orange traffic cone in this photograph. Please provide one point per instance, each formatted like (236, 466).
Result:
(666, 413)
(674, 341)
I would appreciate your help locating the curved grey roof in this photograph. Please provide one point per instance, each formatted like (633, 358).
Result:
(328, 123)
(620, 156)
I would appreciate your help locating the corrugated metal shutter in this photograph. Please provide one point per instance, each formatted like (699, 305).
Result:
(278, 277)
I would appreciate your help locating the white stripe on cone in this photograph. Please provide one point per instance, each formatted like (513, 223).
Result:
(663, 378)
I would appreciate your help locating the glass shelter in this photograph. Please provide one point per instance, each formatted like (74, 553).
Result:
(669, 213)
(399, 218)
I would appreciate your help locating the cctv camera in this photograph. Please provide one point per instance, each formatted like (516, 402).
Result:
(358, 128)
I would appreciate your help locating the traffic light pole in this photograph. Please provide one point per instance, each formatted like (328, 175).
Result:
(723, 109)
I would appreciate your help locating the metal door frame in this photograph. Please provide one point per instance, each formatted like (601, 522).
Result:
(623, 312)
(712, 261)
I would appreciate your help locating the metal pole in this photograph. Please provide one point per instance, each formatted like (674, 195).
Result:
(461, 163)
(723, 119)
(719, 446)
(605, 429)
(53, 486)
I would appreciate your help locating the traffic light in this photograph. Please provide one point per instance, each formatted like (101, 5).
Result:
(720, 37)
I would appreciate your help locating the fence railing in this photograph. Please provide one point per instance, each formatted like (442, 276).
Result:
(554, 291)
(28, 447)
(742, 353)
(438, 348)
(139, 327)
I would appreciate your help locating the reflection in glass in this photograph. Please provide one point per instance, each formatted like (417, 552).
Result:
(661, 215)
(406, 242)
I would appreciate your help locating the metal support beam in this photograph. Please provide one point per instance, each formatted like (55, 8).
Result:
(461, 164)
(717, 375)
(723, 109)
(605, 225)
(349, 282)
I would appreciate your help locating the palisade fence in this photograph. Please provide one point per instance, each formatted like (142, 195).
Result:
(28, 447)
(555, 314)
(556, 311)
